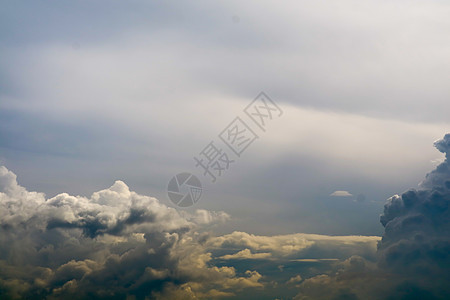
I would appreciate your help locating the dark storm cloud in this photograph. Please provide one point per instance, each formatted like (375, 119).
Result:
(417, 228)
(414, 254)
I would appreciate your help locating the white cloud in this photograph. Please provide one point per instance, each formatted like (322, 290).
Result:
(412, 256)
(73, 246)
(246, 254)
(295, 279)
(341, 194)
(297, 245)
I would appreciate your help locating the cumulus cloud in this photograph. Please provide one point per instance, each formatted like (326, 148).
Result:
(348, 280)
(246, 254)
(417, 227)
(413, 257)
(295, 280)
(118, 244)
(443, 145)
(340, 194)
(113, 245)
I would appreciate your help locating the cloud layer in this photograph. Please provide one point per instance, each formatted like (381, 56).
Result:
(118, 244)
(112, 245)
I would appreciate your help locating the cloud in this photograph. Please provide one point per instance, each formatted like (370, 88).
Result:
(350, 279)
(294, 280)
(118, 244)
(340, 194)
(246, 254)
(305, 58)
(413, 256)
(443, 145)
(297, 245)
(114, 244)
(416, 241)
(140, 65)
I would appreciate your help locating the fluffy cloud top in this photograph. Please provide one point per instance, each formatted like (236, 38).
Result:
(413, 255)
(114, 244)
(118, 244)
(417, 226)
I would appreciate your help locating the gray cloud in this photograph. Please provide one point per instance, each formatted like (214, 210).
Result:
(114, 244)
(413, 257)
(130, 93)
(370, 75)
(117, 244)
(417, 227)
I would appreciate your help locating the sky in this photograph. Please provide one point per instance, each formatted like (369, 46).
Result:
(102, 103)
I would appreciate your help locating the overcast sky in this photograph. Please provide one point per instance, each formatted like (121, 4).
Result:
(91, 93)
(94, 92)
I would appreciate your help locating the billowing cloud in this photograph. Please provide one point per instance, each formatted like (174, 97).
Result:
(348, 280)
(417, 227)
(112, 245)
(295, 279)
(297, 245)
(413, 257)
(117, 244)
